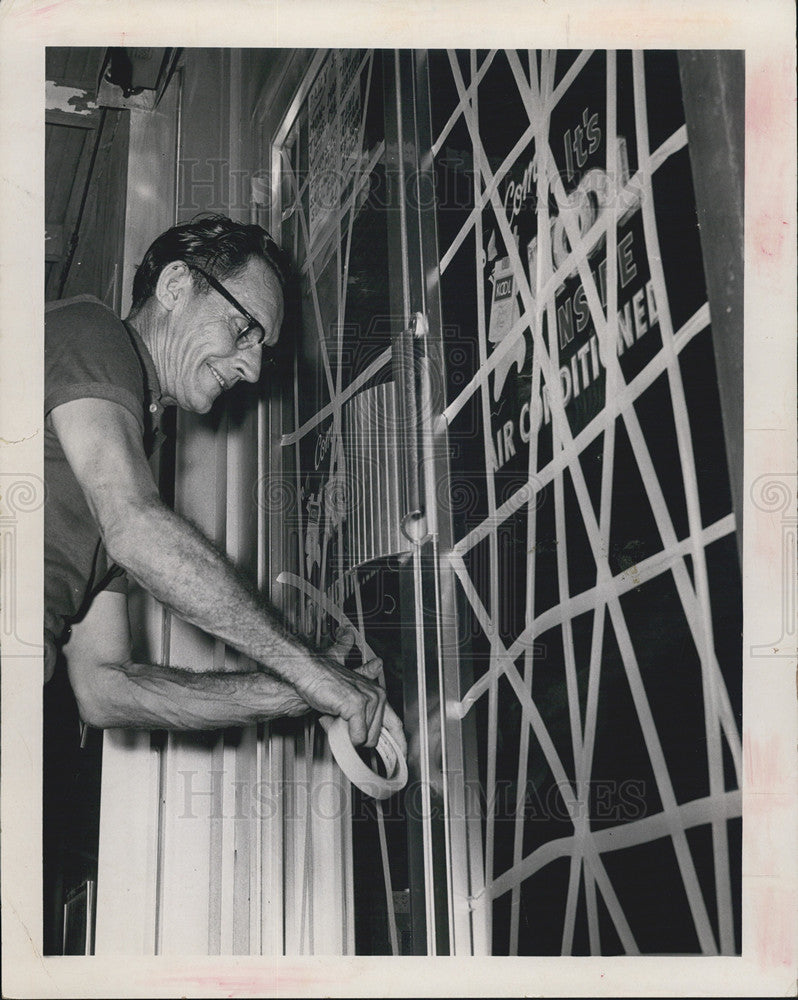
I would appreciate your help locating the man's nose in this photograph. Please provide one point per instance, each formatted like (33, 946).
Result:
(248, 363)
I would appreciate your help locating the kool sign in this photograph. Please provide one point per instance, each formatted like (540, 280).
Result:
(580, 210)
(586, 205)
(597, 194)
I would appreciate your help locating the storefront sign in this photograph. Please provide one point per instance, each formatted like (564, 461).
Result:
(581, 355)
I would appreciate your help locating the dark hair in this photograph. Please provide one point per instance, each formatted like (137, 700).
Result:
(215, 243)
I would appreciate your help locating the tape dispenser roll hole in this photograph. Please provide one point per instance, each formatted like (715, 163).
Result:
(357, 770)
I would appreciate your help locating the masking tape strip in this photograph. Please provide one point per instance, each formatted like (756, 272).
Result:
(356, 770)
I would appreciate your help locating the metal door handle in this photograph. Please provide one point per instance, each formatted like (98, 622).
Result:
(406, 377)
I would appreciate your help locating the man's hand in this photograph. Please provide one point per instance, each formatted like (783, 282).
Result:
(390, 719)
(342, 647)
(353, 694)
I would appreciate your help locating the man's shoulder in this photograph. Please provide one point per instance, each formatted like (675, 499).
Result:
(88, 353)
(81, 309)
(85, 325)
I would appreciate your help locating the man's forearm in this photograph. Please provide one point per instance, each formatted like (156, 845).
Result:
(146, 696)
(179, 567)
(171, 560)
(183, 570)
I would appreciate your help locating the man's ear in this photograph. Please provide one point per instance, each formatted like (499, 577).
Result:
(174, 280)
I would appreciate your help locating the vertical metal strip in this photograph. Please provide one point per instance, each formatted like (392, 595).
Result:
(359, 419)
(166, 636)
(273, 882)
(399, 292)
(402, 204)
(684, 440)
(394, 513)
(371, 471)
(386, 874)
(292, 840)
(470, 114)
(462, 833)
(227, 864)
(347, 873)
(352, 486)
(713, 96)
(424, 751)
(407, 407)
(381, 488)
(244, 842)
(404, 364)
(306, 849)
(255, 888)
(216, 837)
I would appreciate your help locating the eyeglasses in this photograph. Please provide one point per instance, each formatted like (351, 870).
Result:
(253, 333)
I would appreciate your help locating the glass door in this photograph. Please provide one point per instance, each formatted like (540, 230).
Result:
(593, 539)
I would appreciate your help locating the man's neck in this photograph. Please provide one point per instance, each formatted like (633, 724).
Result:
(151, 328)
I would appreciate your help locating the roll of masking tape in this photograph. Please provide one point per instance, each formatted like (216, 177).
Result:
(356, 769)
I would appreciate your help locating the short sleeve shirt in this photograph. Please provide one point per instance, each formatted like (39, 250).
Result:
(89, 353)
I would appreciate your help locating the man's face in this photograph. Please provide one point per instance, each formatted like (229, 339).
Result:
(200, 357)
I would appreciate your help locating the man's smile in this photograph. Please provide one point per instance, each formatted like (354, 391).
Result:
(217, 376)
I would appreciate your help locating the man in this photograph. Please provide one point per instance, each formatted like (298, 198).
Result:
(207, 301)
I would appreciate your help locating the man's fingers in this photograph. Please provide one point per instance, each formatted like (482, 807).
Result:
(376, 721)
(387, 717)
(366, 722)
(344, 641)
(393, 724)
(371, 669)
(357, 729)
